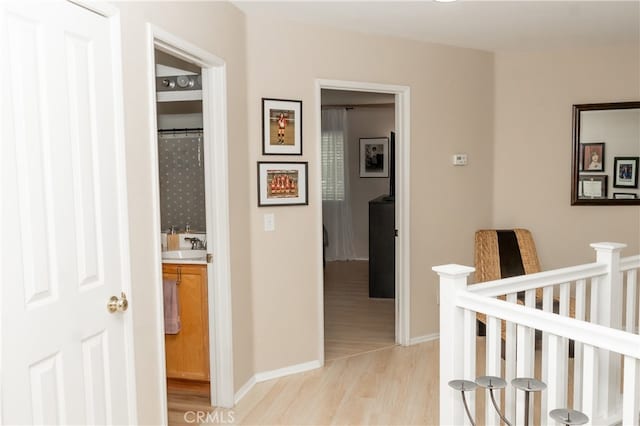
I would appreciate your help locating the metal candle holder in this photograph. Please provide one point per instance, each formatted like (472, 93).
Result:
(464, 386)
(528, 385)
(491, 383)
(567, 416)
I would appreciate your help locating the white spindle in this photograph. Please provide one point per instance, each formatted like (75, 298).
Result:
(530, 301)
(547, 305)
(590, 382)
(510, 363)
(630, 320)
(581, 287)
(493, 350)
(470, 325)
(563, 343)
(593, 295)
(524, 365)
(631, 392)
(453, 279)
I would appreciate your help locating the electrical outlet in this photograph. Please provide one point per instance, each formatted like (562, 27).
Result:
(269, 222)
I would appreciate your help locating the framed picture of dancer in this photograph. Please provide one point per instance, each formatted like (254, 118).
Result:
(282, 183)
(281, 127)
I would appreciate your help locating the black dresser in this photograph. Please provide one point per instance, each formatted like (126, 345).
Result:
(382, 259)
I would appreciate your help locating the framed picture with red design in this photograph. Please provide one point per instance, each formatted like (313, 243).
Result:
(282, 183)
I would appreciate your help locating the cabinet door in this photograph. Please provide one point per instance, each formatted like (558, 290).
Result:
(187, 353)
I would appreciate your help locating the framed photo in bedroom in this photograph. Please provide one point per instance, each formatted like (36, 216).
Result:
(282, 183)
(592, 157)
(281, 127)
(625, 171)
(592, 187)
(374, 157)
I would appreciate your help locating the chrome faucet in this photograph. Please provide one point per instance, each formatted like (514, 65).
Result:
(196, 243)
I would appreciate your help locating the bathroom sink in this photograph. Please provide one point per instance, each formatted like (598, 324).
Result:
(185, 254)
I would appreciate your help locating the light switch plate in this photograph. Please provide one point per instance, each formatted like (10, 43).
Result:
(269, 222)
(460, 159)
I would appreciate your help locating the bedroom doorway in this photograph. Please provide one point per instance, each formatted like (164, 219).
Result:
(364, 296)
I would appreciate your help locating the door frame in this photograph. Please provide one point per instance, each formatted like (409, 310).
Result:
(402, 206)
(214, 112)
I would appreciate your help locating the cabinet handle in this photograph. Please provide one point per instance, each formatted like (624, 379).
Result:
(179, 275)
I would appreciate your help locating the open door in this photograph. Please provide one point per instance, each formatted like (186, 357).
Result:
(66, 353)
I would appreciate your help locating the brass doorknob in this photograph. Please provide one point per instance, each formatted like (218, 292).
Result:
(118, 303)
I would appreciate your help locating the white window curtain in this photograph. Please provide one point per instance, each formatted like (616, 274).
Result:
(336, 206)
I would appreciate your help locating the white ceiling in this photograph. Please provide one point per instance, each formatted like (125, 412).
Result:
(485, 25)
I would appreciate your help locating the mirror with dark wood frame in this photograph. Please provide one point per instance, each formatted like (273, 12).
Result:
(606, 154)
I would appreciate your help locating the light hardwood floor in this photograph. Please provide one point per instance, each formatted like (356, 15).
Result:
(394, 385)
(391, 386)
(354, 323)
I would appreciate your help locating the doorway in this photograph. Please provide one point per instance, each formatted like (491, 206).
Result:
(203, 141)
(357, 315)
(358, 221)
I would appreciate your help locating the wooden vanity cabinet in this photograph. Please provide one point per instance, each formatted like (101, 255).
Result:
(187, 353)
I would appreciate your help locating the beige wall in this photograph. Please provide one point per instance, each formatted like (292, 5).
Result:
(452, 111)
(532, 154)
(220, 29)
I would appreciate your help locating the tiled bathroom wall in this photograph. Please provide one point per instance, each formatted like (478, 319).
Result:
(182, 197)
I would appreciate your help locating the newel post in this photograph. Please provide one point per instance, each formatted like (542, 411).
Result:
(608, 312)
(453, 278)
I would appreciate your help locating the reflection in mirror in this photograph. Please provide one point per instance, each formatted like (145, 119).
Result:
(606, 153)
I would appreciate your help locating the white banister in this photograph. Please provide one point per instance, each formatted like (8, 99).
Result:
(631, 392)
(609, 297)
(537, 280)
(607, 391)
(453, 282)
(631, 262)
(591, 334)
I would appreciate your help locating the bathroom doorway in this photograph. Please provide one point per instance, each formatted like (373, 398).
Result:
(188, 141)
(181, 181)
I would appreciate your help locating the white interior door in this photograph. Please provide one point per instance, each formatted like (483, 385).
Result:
(64, 358)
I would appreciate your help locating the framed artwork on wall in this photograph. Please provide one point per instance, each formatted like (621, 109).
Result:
(593, 157)
(374, 157)
(282, 183)
(624, 196)
(281, 127)
(625, 171)
(592, 186)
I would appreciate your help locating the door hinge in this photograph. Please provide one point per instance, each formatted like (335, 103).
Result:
(395, 232)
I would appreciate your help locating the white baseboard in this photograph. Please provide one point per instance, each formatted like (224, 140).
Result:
(274, 374)
(286, 371)
(244, 389)
(423, 339)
